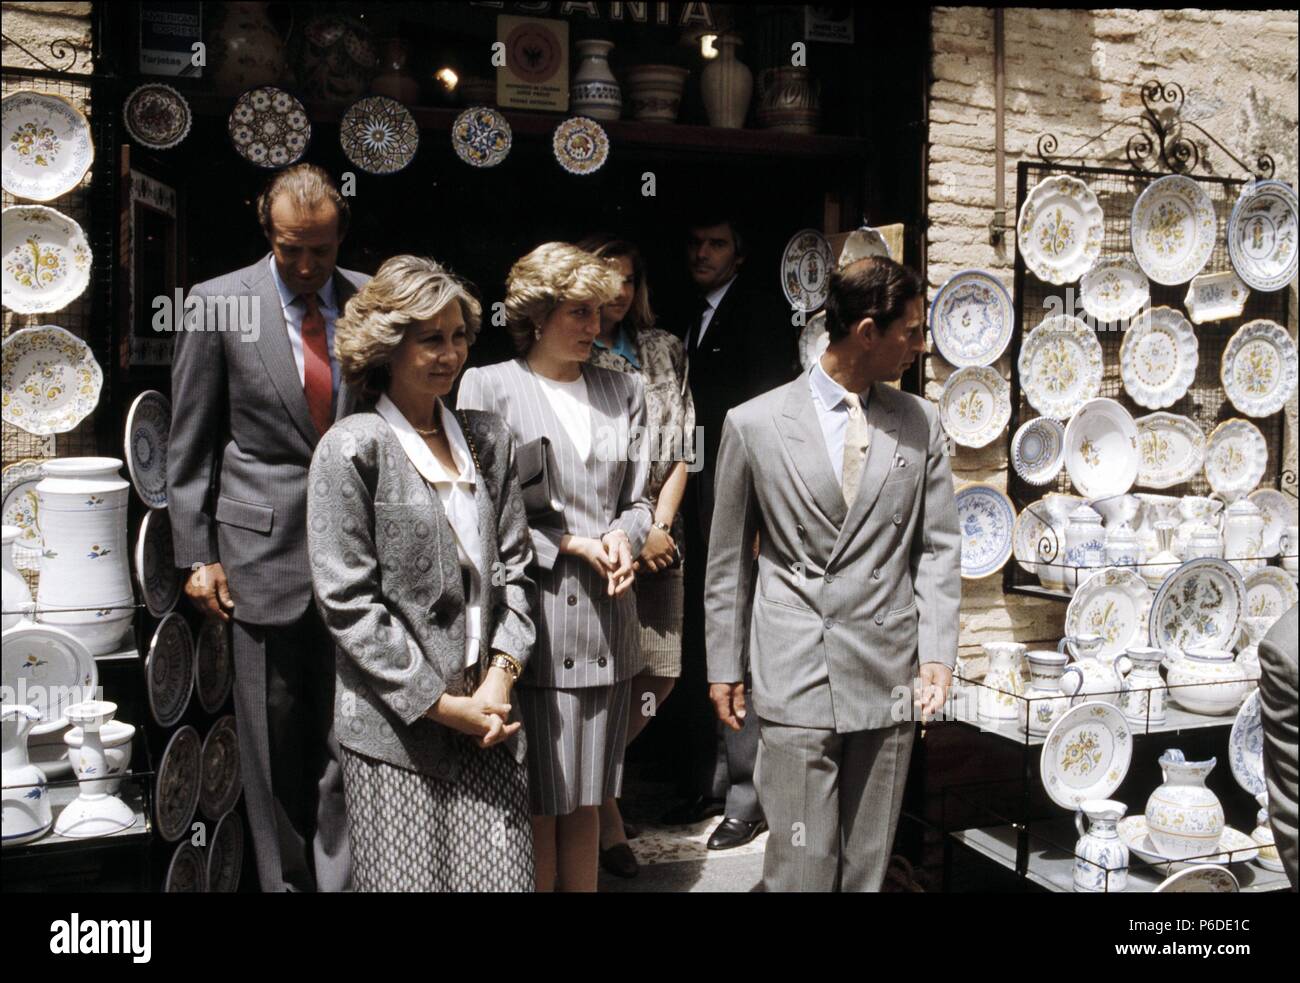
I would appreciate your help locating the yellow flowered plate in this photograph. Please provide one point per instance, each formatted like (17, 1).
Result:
(1086, 754)
(51, 380)
(44, 259)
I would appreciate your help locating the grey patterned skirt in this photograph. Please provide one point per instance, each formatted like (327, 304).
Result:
(575, 744)
(412, 832)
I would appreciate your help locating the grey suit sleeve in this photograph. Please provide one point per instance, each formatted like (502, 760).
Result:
(198, 421)
(936, 556)
(346, 579)
(1279, 683)
(635, 514)
(729, 583)
(515, 632)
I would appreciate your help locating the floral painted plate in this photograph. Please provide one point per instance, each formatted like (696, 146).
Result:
(1279, 511)
(1038, 450)
(580, 145)
(379, 135)
(1236, 457)
(1199, 880)
(1215, 297)
(975, 405)
(148, 426)
(269, 127)
(51, 380)
(1270, 593)
(1171, 450)
(481, 137)
(220, 786)
(1086, 754)
(1060, 366)
(1200, 605)
(1173, 229)
(987, 519)
(813, 340)
(20, 506)
(971, 319)
(45, 259)
(169, 668)
(226, 855)
(1262, 235)
(1237, 846)
(1115, 289)
(806, 266)
(1060, 229)
(155, 563)
(215, 673)
(47, 145)
(1114, 603)
(49, 669)
(176, 790)
(1158, 358)
(1246, 747)
(1101, 449)
(157, 116)
(1259, 368)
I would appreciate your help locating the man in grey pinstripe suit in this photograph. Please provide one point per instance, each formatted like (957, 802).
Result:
(248, 410)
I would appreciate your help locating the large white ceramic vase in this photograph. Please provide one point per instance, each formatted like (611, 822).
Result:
(726, 85)
(1184, 818)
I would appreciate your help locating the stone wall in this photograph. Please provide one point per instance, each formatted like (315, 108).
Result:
(1073, 73)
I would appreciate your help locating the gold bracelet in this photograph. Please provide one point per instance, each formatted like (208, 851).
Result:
(507, 662)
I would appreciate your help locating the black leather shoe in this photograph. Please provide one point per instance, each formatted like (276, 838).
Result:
(630, 830)
(735, 832)
(620, 861)
(693, 811)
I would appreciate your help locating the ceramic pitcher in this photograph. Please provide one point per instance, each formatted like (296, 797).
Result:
(26, 814)
(1000, 695)
(1184, 818)
(1243, 535)
(1143, 700)
(1044, 701)
(1100, 856)
(1091, 674)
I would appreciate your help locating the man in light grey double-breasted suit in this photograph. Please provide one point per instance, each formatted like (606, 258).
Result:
(855, 590)
(251, 396)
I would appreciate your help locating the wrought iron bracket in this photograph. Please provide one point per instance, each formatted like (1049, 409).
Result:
(62, 50)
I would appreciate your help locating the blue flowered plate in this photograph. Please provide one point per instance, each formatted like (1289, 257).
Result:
(987, 518)
(971, 319)
(1246, 747)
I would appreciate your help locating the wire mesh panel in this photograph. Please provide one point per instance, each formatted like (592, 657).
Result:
(1205, 402)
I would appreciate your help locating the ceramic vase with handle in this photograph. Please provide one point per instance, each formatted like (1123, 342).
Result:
(85, 586)
(15, 596)
(1044, 701)
(1090, 675)
(595, 91)
(1143, 700)
(1100, 856)
(1243, 535)
(1208, 681)
(1085, 546)
(1002, 689)
(26, 815)
(1184, 818)
(244, 49)
(726, 85)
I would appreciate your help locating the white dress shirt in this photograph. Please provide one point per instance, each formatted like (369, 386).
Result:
(456, 492)
(712, 299)
(833, 414)
(570, 403)
(295, 310)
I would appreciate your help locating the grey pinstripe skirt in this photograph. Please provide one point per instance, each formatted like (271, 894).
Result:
(659, 609)
(575, 744)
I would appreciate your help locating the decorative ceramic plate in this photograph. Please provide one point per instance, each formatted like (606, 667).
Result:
(169, 669)
(157, 116)
(226, 855)
(1215, 297)
(971, 319)
(1261, 235)
(1173, 229)
(975, 405)
(813, 340)
(47, 145)
(155, 563)
(176, 792)
(49, 669)
(51, 379)
(861, 244)
(481, 137)
(46, 259)
(220, 786)
(1259, 368)
(1115, 289)
(1199, 880)
(148, 426)
(1101, 449)
(1236, 457)
(1060, 366)
(1060, 229)
(1246, 747)
(269, 127)
(1236, 846)
(216, 669)
(580, 145)
(1171, 450)
(187, 873)
(1270, 593)
(806, 267)
(19, 506)
(379, 135)
(1038, 450)
(1158, 358)
(1086, 754)
(1113, 603)
(1279, 511)
(987, 518)
(1199, 605)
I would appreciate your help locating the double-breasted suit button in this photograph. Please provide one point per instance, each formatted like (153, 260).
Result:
(572, 600)
(568, 663)
(602, 662)
(898, 518)
(830, 578)
(880, 619)
(875, 574)
(829, 623)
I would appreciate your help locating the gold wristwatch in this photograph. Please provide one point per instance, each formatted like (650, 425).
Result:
(510, 664)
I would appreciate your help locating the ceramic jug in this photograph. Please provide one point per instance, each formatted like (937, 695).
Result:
(595, 91)
(15, 596)
(26, 813)
(999, 696)
(1163, 561)
(1100, 856)
(1091, 674)
(1044, 701)
(1207, 681)
(1085, 547)
(96, 811)
(1193, 511)
(726, 83)
(1184, 818)
(1243, 535)
(1290, 546)
(1143, 700)
(1051, 548)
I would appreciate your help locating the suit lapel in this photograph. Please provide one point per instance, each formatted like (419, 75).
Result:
(276, 353)
(801, 433)
(882, 417)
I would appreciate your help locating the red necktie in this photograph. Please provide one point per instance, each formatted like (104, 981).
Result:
(318, 381)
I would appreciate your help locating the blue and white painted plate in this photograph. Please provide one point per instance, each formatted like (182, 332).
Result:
(148, 424)
(1200, 605)
(155, 563)
(1246, 747)
(987, 519)
(1262, 235)
(1038, 450)
(971, 319)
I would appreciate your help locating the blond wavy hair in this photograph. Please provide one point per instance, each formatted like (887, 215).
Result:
(553, 274)
(407, 289)
(640, 315)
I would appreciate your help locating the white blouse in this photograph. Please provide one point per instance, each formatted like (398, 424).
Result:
(456, 492)
(570, 403)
